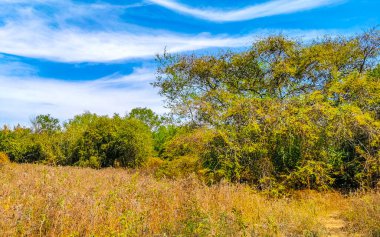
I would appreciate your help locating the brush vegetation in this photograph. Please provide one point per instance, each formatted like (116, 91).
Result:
(37, 200)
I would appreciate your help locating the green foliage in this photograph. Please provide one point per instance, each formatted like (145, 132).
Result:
(187, 141)
(163, 135)
(313, 175)
(45, 124)
(112, 142)
(162, 130)
(87, 140)
(181, 167)
(22, 146)
(147, 116)
(221, 159)
(299, 115)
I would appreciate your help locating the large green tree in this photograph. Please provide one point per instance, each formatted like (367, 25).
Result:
(284, 109)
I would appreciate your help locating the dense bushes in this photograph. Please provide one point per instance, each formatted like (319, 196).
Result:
(283, 113)
(87, 140)
(112, 142)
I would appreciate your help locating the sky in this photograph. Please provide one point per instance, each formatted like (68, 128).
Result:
(65, 57)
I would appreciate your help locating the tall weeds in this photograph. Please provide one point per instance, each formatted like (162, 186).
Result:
(38, 200)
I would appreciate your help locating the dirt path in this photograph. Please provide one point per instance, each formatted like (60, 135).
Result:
(334, 225)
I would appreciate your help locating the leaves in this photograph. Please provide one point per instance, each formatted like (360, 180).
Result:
(283, 108)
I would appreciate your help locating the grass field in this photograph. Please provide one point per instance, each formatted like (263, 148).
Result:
(38, 200)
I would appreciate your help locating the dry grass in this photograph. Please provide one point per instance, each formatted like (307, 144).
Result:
(4, 159)
(39, 200)
(363, 214)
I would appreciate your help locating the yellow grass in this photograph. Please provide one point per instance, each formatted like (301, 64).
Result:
(4, 159)
(39, 200)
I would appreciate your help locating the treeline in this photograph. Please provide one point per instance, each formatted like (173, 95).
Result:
(86, 140)
(282, 115)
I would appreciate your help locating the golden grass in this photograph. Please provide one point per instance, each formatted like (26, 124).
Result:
(38, 200)
(4, 159)
(363, 214)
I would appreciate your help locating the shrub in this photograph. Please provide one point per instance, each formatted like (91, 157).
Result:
(180, 167)
(152, 164)
(313, 175)
(114, 141)
(4, 159)
(284, 108)
(188, 142)
(92, 162)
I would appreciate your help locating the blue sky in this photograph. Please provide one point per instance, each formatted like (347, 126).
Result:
(65, 57)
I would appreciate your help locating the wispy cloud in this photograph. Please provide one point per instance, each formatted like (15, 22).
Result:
(32, 33)
(37, 40)
(23, 97)
(270, 8)
(56, 34)
(34, 39)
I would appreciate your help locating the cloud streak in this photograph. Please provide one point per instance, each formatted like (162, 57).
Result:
(23, 97)
(34, 39)
(270, 8)
(37, 40)
(28, 32)
(59, 35)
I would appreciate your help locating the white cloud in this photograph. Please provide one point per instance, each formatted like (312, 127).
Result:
(35, 39)
(29, 32)
(23, 97)
(270, 8)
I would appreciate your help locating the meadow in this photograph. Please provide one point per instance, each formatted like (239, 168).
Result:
(38, 200)
(282, 139)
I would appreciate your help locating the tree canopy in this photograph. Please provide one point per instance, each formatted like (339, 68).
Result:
(302, 114)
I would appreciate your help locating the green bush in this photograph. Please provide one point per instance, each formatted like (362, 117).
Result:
(106, 142)
(304, 115)
(152, 164)
(180, 167)
(313, 175)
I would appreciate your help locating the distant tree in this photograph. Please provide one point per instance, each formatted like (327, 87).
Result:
(45, 123)
(147, 116)
(162, 135)
(20, 145)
